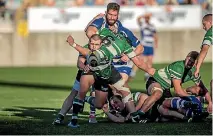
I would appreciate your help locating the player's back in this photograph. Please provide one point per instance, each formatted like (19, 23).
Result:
(113, 44)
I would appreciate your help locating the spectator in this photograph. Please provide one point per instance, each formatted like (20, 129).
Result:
(99, 2)
(2, 9)
(79, 3)
(139, 2)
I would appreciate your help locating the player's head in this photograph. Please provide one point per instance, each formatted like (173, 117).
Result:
(116, 102)
(95, 42)
(147, 17)
(191, 58)
(207, 22)
(112, 13)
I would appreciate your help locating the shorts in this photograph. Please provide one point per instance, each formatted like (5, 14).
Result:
(76, 85)
(166, 92)
(126, 70)
(103, 84)
(148, 51)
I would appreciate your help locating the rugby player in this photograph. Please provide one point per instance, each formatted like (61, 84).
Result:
(104, 73)
(174, 75)
(93, 44)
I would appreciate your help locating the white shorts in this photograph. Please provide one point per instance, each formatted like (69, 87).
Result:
(76, 86)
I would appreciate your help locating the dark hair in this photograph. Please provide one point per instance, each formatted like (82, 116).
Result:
(193, 54)
(113, 6)
(95, 37)
(208, 17)
(116, 96)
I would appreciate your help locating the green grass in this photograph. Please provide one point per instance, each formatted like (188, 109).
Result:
(31, 97)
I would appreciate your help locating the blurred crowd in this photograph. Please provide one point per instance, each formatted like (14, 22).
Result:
(8, 8)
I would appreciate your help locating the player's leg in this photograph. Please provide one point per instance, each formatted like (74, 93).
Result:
(155, 92)
(92, 116)
(67, 103)
(85, 82)
(101, 93)
(149, 59)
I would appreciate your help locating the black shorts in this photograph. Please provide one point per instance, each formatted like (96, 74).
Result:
(166, 92)
(78, 76)
(103, 84)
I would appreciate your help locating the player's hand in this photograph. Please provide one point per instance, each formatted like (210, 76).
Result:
(209, 108)
(196, 74)
(86, 68)
(70, 40)
(124, 58)
(105, 108)
(151, 71)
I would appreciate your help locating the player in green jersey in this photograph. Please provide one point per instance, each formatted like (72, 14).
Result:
(104, 72)
(207, 41)
(174, 75)
(93, 44)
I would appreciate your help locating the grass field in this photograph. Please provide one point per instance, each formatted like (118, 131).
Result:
(30, 99)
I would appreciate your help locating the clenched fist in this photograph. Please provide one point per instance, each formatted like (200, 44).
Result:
(70, 40)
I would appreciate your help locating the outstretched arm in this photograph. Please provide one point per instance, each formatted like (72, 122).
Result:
(201, 58)
(80, 49)
(142, 65)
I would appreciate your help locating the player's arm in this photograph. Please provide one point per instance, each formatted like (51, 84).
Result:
(178, 88)
(139, 20)
(143, 66)
(204, 91)
(156, 40)
(202, 56)
(134, 41)
(117, 119)
(141, 100)
(81, 62)
(83, 51)
(93, 26)
(112, 117)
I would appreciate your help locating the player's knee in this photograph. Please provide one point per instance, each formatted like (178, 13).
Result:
(162, 110)
(166, 103)
(157, 93)
(99, 105)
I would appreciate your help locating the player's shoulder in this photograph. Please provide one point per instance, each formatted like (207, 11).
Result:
(209, 32)
(97, 22)
(86, 46)
(177, 66)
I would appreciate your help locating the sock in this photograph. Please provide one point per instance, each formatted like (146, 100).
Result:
(60, 116)
(77, 106)
(92, 110)
(177, 103)
(90, 100)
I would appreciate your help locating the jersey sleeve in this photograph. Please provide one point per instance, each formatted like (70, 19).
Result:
(207, 40)
(97, 23)
(176, 70)
(129, 51)
(130, 36)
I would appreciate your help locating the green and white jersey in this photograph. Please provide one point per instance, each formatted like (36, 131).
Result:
(207, 40)
(135, 97)
(112, 45)
(175, 71)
